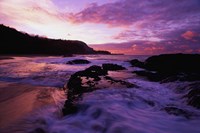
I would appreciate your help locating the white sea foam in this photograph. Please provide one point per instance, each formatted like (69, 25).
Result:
(126, 110)
(121, 110)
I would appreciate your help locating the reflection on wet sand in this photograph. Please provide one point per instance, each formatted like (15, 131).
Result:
(19, 100)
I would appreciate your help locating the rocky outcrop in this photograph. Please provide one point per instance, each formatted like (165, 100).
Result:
(174, 63)
(68, 55)
(90, 79)
(137, 63)
(6, 58)
(194, 98)
(112, 67)
(172, 67)
(78, 61)
(102, 52)
(69, 108)
(90, 75)
(178, 112)
(152, 76)
(193, 94)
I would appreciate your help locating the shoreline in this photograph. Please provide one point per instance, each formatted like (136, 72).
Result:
(18, 100)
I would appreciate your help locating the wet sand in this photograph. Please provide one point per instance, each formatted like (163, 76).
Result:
(18, 100)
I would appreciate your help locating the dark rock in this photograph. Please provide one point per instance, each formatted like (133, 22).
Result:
(190, 77)
(125, 83)
(152, 76)
(171, 67)
(5, 58)
(193, 96)
(188, 87)
(181, 77)
(69, 108)
(165, 78)
(78, 61)
(151, 103)
(86, 81)
(191, 93)
(91, 72)
(103, 52)
(137, 63)
(174, 63)
(112, 67)
(38, 130)
(96, 70)
(195, 101)
(75, 85)
(178, 112)
(169, 79)
(68, 55)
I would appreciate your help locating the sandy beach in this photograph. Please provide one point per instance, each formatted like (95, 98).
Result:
(18, 100)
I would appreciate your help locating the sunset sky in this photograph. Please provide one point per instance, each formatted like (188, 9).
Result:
(121, 26)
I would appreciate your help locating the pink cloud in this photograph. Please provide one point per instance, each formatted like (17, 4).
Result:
(23, 8)
(150, 47)
(130, 35)
(189, 35)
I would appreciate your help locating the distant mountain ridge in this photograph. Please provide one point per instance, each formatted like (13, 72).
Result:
(15, 42)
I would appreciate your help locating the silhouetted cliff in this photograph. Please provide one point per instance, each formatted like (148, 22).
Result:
(15, 42)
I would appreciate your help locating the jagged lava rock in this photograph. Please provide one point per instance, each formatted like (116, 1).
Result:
(75, 85)
(90, 79)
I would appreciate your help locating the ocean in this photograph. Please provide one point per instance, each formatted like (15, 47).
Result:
(113, 109)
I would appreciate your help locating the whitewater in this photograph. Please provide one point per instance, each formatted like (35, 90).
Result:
(142, 109)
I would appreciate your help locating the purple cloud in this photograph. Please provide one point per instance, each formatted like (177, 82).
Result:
(164, 22)
(127, 12)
